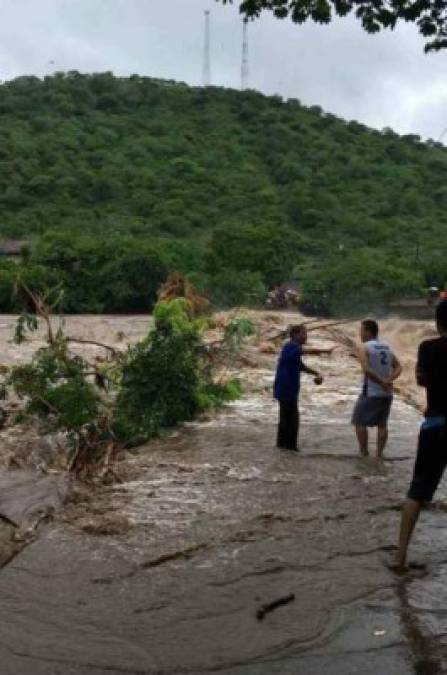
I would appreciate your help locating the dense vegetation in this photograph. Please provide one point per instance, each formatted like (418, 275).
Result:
(117, 181)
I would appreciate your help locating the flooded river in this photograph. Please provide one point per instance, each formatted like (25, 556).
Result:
(167, 572)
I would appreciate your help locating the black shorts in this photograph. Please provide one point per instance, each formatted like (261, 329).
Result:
(372, 411)
(431, 460)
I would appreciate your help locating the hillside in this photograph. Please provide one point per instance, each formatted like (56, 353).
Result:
(239, 189)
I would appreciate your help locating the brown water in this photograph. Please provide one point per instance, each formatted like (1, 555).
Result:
(211, 524)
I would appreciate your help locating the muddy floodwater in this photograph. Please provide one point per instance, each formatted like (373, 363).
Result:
(179, 568)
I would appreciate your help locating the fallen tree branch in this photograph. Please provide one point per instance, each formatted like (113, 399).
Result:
(271, 606)
(81, 341)
(40, 308)
(331, 324)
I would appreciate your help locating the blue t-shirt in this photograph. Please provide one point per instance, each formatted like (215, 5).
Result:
(288, 371)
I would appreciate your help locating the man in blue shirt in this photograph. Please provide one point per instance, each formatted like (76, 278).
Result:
(287, 385)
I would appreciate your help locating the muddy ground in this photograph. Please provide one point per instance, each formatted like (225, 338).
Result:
(166, 573)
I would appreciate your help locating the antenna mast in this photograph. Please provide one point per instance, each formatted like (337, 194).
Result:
(244, 68)
(206, 53)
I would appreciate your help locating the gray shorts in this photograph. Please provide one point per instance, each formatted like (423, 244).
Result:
(372, 411)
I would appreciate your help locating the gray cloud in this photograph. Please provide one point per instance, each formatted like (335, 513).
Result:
(381, 80)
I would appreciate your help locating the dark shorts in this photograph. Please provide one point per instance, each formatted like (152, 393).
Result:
(431, 460)
(372, 411)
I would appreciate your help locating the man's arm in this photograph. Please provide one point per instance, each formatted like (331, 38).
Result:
(396, 370)
(309, 371)
(363, 358)
(318, 378)
(421, 377)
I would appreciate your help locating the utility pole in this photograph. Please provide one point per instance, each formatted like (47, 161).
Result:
(244, 68)
(206, 80)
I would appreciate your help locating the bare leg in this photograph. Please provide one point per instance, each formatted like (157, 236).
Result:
(362, 437)
(410, 515)
(382, 437)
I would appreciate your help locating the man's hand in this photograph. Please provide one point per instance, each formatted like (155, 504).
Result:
(318, 379)
(388, 385)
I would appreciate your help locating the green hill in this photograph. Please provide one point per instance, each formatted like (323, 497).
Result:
(116, 180)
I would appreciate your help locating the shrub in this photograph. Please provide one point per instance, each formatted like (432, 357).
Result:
(166, 378)
(55, 388)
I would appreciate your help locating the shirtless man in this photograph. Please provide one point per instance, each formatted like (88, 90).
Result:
(380, 369)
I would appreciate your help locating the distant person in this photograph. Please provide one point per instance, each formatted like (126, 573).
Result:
(380, 369)
(287, 385)
(431, 458)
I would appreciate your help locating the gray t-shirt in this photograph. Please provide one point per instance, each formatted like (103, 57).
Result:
(380, 360)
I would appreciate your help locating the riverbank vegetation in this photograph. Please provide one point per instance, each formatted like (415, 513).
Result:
(124, 399)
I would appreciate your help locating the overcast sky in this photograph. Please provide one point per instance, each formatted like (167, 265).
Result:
(381, 80)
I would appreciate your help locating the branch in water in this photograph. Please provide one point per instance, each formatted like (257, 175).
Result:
(271, 606)
(81, 341)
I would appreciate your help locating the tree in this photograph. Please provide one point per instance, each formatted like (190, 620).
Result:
(430, 16)
(268, 250)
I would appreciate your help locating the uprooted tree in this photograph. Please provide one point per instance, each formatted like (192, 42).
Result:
(430, 16)
(124, 398)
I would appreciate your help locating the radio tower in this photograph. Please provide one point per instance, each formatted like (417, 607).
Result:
(206, 53)
(244, 68)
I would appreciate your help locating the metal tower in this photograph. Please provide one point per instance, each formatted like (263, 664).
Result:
(244, 68)
(206, 53)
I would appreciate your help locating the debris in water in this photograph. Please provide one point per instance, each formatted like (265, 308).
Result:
(167, 557)
(271, 606)
(113, 524)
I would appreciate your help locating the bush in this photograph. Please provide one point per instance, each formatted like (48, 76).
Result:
(55, 387)
(166, 379)
(236, 330)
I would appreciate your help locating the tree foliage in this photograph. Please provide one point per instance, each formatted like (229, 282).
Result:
(166, 378)
(362, 279)
(430, 16)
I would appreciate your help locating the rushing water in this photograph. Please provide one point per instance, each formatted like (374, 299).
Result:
(219, 525)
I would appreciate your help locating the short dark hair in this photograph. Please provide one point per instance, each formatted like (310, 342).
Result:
(295, 329)
(371, 326)
(441, 314)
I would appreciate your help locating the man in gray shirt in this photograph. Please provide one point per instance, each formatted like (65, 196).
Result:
(380, 369)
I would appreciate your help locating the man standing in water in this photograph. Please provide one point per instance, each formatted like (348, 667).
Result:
(431, 458)
(380, 368)
(287, 385)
